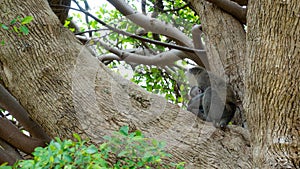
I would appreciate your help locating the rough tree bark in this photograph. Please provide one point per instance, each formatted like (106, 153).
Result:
(66, 90)
(272, 82)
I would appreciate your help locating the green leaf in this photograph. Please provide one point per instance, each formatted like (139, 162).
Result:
(138, 133)
(16, 29)
(72, 29)
(124, 130)
(68, 158)
(4, 166)
(182, 87)
(184, 63)
(91, 149)
(26, 20)
(155, 142)
(180, 99)
(94, 24)
(24, 30)
(4, 26)
(75, 135)
(67, 23)
(13, 21)
(133, 152)
(2, 42)
(122, 153)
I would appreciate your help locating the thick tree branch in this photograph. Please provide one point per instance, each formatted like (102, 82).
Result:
(60, 12)
(164, 58)
(198, 44)
(151, 24)
(232, 8)
(8, 102)
(11, 134)
(10, 150)
(5, 157)
(225, 41)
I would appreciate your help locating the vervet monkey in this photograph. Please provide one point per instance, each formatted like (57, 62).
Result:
(214, 97)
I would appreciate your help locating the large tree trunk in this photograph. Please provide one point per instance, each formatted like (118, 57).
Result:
(272, 82)
(66, 90)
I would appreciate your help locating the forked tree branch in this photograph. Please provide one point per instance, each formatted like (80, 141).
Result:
(198, 44)
(11, 134)
(162, 59)
(9, 103)
(10, 150)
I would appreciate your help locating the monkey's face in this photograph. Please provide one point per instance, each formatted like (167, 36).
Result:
(192, 75)
(194, 91)
(198, 76)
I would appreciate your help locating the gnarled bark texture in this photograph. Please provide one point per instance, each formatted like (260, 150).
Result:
(272, 82)
(66, 90)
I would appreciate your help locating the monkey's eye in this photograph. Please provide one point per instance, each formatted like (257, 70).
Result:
(201, 90)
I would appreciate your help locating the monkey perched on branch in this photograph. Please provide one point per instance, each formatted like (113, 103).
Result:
(211, 98)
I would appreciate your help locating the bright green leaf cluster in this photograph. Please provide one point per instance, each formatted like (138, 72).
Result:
(18, 25)
(122, 150)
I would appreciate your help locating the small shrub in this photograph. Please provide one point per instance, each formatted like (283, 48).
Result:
(122, 150)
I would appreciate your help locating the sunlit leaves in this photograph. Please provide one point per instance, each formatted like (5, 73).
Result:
(17, 25)
(122, 150)
(26, 20)
(24, 30)
(4, 27)
(157, 81)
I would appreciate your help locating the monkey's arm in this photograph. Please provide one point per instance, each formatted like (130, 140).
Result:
(195, 106)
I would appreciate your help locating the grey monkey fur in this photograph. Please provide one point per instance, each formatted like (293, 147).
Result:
(195, 105)
(215, 100)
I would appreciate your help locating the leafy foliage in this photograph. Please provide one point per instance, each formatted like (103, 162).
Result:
(158, 81)
(17, 25)
(122, 150)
